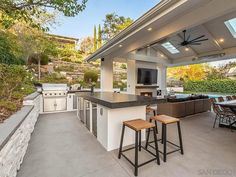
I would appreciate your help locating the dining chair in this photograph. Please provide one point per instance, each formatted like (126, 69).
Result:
(228, 98)
(216, 108)
(234, 97)
(221, 99)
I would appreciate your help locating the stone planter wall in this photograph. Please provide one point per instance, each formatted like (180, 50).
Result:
(15, 134)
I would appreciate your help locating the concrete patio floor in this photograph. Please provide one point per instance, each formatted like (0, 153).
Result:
(62, 147)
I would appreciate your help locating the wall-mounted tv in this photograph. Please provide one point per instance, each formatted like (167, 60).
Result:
(147, 76)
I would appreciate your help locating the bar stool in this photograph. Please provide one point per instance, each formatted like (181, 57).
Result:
(165, 120)
(149, 110)
(137, 125)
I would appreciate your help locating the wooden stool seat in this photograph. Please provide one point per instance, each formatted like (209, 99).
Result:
(165, 119)
(138, 124)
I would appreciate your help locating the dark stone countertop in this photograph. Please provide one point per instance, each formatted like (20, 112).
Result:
(119, 100)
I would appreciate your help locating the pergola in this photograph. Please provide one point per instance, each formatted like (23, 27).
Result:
(153, 40)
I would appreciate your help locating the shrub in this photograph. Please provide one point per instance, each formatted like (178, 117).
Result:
(54, 78)
(8, 105)
(13, 78)
(90, 76)
(44, 59)
(221, 86)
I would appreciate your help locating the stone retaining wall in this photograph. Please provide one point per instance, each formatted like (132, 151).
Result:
(15, 134)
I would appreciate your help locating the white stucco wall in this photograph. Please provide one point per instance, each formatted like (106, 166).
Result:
(107, 75)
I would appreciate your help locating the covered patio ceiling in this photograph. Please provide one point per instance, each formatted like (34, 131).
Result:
(144, 39)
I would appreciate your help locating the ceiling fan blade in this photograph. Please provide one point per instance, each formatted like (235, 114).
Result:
(197, 38)
(195, 44)
(188, 37)
(200, 40)
(184, 34)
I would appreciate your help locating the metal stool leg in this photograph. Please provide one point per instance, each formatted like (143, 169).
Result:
(180, 138)
(136, 155)
(156, 126)
(162, 133)
(156, 145)
(140, 140)
(121, 140)
(148, 134)
(164, 141)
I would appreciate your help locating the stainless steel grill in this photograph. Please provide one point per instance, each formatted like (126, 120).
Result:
(54, 97)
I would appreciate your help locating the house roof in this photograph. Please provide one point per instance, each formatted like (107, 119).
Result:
(168, 19)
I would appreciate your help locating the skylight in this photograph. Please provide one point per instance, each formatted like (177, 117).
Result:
(168, 46)
(231, 25)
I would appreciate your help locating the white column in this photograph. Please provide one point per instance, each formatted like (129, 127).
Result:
(107, 75)
(131, 76)
(162, 71)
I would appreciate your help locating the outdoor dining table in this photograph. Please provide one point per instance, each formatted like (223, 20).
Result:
(231, 105)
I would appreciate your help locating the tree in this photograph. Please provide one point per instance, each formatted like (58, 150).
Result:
(186, 73)
(99, 36)
(87, 45)
(12, 11)
(113, 24)
(94, 38)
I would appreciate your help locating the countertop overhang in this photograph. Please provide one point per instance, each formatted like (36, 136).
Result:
(119, 100)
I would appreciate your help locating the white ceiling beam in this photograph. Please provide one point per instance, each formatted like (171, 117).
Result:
(164, 61)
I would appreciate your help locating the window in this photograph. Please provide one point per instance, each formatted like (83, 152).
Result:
(231, 25)
(168, 46)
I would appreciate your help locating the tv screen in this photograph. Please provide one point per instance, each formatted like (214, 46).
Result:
(147, 76)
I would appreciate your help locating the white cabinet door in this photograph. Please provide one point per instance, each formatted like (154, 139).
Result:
(61, 104)
(49, 104)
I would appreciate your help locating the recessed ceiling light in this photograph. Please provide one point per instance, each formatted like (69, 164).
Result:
(162, 55)
(149, 29)
(221, 40)
(120, 45)
(186, 49)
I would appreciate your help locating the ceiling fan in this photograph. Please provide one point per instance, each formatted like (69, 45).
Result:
(187, 41)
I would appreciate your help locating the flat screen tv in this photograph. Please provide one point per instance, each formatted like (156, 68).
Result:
(147, 76)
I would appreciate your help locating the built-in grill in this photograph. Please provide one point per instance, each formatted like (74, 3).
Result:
(54, 97)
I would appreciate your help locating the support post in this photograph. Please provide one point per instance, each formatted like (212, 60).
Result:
(106, 75)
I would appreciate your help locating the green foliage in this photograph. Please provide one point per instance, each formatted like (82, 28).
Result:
(99, 37)
(90, 76)
(30, 11)
(44, 59)
(66, 68)
(123, 66)
(121, 85)
(14, 78)
(8, 49)
(8, 105)
(94, 38)
(68, 53)
(113, 24)
(54, 78)
(221, 86)
(87, 45)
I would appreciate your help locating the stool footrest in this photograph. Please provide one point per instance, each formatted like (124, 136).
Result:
(144, 163)
(149, 144)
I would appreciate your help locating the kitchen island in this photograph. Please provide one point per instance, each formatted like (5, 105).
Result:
(111, 110)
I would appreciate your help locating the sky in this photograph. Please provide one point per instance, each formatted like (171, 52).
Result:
(82, 25)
